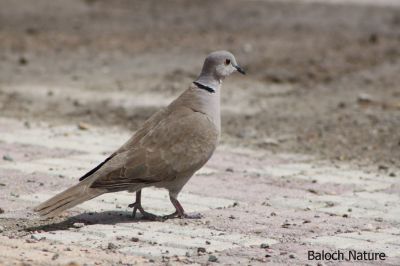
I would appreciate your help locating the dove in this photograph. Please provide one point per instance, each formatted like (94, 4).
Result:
(165, 152)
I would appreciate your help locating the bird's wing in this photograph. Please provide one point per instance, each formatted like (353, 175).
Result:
(146, 127)
(181, 143)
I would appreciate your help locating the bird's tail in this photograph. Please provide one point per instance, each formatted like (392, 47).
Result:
(67, 199)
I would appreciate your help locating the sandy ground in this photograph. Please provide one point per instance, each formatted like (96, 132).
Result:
(322, 92)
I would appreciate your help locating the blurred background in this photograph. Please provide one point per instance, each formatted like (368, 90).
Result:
(323, 75)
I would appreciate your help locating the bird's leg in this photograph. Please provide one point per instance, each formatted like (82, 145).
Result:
(137, 205)
(180, 212)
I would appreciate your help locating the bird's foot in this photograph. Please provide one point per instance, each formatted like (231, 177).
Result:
(136, 206)
(145, 215)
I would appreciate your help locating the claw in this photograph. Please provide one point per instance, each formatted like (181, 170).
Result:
(135, 207)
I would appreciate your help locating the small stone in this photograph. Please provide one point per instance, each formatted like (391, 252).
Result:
(1, 211)
(383, 167)
(285, 225)
(22, 61)
(392, 174)
(368, 227)
(201, 250)
(208, 242)
(78, 225)
(306, 221)
(83, 126)
(364, 98)
(135, 239)
(270, 142)
(111, 246)
(330, 204)
(341, 105)
(264, 245)
(8, 158)
(292, 256)
(313, 191)
(212, 258)
(55, 256)
(345, 215)
(229, 169)
(232, 217)
(273, 214)
(36, 237)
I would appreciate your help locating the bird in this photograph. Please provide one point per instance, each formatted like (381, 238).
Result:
(165, 152)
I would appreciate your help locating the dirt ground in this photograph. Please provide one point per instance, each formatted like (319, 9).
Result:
(323, 79)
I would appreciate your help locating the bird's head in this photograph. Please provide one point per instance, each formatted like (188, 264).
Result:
(220, 64)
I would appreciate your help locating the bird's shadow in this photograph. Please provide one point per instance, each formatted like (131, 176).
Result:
(106, 217)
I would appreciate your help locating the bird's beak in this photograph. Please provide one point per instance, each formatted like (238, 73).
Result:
(240, 70)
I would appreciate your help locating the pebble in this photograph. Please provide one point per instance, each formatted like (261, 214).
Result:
(292, 256)
(111, 246)
(135, 239)
(201, 250)
(368, 227)
(264, 245)
(212, 258)
(83, 126)
(8, 158)
(36, 237)
(364, 98)
(383, 167)
(78, 225)
(1, 210)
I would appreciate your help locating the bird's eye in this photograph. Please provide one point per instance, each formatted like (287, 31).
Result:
(227, 61)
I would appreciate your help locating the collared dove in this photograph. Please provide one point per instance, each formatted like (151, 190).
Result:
(165, 152)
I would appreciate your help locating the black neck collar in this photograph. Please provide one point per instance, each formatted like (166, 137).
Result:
(204, 87)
